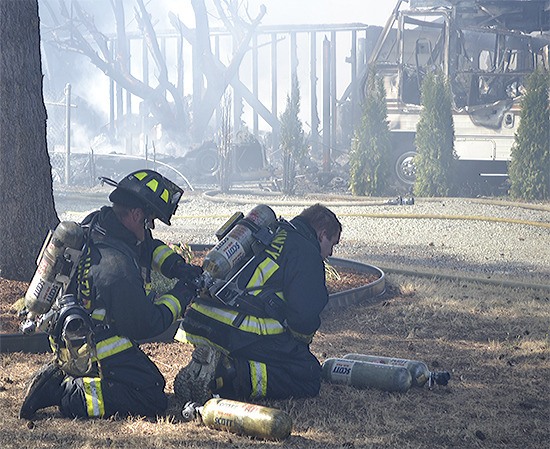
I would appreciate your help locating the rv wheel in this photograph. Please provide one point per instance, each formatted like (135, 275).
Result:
(405, 169)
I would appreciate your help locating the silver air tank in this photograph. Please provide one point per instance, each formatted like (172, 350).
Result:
(366, 375)
(419, 370)
(56, 264)
(236, 246)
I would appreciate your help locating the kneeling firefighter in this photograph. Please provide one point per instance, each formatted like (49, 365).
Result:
(252, 334)
(107, 306)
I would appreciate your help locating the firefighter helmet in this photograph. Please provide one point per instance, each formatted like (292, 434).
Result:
(149, 190)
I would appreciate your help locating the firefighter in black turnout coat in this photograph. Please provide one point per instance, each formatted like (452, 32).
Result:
(260, 348)
(113, 285)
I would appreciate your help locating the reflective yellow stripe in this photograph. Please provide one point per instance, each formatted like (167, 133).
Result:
(99, 314)
(148, 287)
(165, 195)
(153, 185)
(262, 273)
(53, 346)
(251, 324)
(258, 379)
(112, 346)
(141, 175)
(172, 303)
(181, 336)
(196, 340)
(95, 406)
(261, 326)
(160, 254)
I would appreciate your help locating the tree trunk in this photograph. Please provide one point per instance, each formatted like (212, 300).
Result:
(26, 188)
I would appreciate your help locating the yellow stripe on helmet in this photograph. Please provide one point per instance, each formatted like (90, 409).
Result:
(153, 185)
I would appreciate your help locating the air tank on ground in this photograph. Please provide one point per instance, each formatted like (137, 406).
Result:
(419, 370)
(246, 419)
(361, 374)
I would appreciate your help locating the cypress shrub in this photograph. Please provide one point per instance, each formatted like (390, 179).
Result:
(371, 144)
(293, 144)
(435, 138)
(529, 169)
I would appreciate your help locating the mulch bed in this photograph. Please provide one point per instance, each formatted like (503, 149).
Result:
(11, 291)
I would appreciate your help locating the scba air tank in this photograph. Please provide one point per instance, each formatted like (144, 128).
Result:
(55, 264)
(419, 370)
(246, 419)
(367, 375)
(237, 245)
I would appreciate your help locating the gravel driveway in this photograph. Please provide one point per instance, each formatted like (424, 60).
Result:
(492, 239)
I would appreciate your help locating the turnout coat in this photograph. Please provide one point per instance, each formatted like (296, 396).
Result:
(113, 284)
(266, 335)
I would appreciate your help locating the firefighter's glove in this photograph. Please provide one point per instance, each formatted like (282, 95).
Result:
(187, 273)
(184, 292)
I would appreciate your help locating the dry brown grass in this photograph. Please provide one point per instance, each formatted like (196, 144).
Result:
(493, 340)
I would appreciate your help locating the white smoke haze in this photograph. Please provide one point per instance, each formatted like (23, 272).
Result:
(92, 85)
(286, 12)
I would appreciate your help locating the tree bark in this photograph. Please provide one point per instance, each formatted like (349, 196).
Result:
(26, 186)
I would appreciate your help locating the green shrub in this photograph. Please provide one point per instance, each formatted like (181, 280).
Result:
(293, 144)
(435, 161)
(371, 144)
(529, 169)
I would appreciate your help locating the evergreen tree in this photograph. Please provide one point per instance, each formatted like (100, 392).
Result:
(293, 143)
(435, 138)
(224, 148)
(371, 145)
(529, 168)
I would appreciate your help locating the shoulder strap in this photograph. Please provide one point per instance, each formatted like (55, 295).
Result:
(105, 240)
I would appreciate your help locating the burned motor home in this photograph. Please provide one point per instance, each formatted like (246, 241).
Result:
(486, 49)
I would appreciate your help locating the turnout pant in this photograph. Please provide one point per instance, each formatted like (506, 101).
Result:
(88, 397)
(130, 384)
(275, 367)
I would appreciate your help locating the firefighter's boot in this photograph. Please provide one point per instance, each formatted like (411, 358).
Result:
(195, 382)
(44, 390)
(226, 373)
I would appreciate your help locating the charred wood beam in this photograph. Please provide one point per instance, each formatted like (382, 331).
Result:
(145, 25)
(217, 74)
(115, 67)
(234, 30)
(98, 37)
(184, 31)
(123, 56)
(229, 76)
(146, 28)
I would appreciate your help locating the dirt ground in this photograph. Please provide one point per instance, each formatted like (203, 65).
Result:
(492, 339)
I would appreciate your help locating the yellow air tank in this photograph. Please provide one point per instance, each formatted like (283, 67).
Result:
(246, 419)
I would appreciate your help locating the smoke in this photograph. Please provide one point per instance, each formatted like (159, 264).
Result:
(90, 86)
